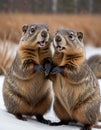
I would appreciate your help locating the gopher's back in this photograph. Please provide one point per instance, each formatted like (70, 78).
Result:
(95, 64)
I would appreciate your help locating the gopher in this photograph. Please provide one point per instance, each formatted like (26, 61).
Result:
(77, 93)
(95, 64)
(26, 89)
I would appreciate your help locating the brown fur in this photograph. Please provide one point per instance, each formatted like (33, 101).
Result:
(95, 64)
(76, 88)
(26, 91)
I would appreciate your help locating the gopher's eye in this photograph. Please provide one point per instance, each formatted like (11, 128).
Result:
(71, 36)
(32, 30)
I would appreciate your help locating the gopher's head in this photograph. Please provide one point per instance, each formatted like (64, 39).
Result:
(68, 40)
(69, 45)
(36, 35)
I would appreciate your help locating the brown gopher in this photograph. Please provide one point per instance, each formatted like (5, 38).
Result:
(77, 93)
(26, 90)
(95, 64)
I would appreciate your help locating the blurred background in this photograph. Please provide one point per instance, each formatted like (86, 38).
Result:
(51, 6)
(80, 15)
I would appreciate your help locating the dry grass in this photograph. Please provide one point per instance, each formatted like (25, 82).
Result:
(6, 55)
(10, 25)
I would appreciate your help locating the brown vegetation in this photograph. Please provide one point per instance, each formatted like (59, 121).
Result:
(10, 25)
(6, 55)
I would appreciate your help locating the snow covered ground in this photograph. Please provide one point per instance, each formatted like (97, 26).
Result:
(9, 122)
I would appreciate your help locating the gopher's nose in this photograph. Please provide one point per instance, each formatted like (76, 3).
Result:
(58, 39)
(44, 34)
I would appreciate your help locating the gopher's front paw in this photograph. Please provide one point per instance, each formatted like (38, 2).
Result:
(47, 67)
(56, 70)
(39, 68)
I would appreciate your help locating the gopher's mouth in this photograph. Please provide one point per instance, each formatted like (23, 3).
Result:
(60, 48)
(42, 43)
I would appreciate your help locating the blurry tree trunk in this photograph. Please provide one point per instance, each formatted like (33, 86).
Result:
(90, 6)
(35, 5)
(54, 6)
(75, 6)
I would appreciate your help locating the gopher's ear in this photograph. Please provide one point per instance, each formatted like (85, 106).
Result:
(24, 28)
(47, 27)
(80, 36)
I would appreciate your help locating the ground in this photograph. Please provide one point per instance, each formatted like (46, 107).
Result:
(9, 122)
